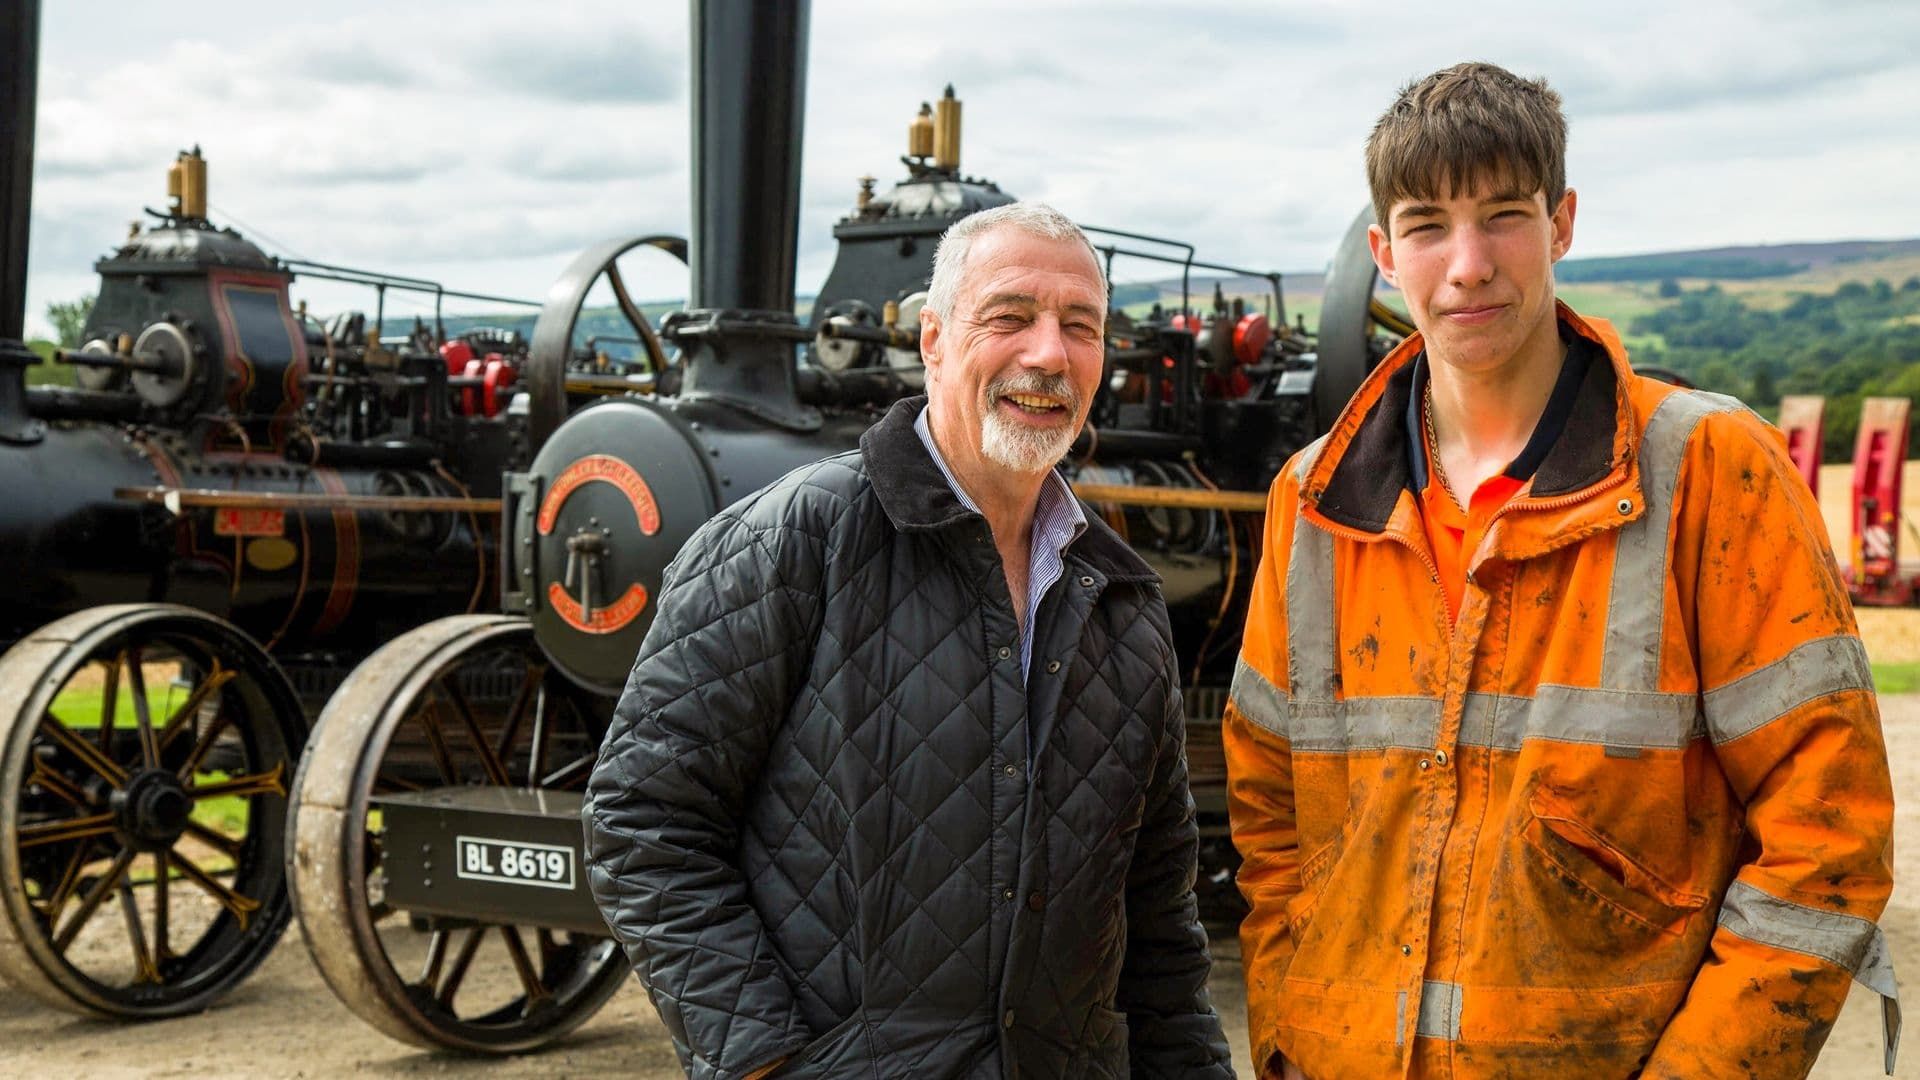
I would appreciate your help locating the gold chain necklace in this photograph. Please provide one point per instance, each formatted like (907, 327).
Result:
(1433, 440)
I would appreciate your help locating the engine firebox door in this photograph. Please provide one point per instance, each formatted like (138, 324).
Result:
(609, 500)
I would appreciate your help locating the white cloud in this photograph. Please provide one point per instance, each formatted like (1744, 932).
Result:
(484, 143)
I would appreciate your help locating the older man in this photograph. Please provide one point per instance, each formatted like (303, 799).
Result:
(897, 787)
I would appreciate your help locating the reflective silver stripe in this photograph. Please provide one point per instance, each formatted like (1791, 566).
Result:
(1311, 658)
(1574, 714)
(1439, 1011)
(1379, 723)
(1846, 941)
(1257, 699)
(1813, 670)
(1370, 723)
(1637, 598)
(1581, 714)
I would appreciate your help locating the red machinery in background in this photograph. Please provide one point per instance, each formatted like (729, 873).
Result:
(1803, 421)
(1875, 573)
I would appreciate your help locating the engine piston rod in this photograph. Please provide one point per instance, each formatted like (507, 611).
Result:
(176, 499)
(1181, 498)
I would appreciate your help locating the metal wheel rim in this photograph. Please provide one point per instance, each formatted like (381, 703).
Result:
(1348, 320)
(330, 865)
(255, 704)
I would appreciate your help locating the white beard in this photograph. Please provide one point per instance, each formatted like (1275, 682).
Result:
(1013, 445)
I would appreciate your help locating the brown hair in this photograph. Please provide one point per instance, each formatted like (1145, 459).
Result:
(1465, 125)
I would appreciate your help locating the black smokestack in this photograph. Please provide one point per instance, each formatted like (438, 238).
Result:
(19, 74)
(749, 93)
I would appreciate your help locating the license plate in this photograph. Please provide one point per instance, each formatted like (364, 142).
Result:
(508, 862)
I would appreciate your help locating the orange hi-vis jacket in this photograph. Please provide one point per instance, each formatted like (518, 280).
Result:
(1628, 814)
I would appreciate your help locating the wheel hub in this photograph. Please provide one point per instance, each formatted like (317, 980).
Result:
(152, 810)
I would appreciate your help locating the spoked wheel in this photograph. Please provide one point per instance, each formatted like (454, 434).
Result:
(145, 752)
(468, 700)
(552, 347)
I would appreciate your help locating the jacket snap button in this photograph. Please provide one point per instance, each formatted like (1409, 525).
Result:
(1006, 1020)
(1406, 950)
(1087, 581)
(1053, 666)
(1008, 895)
(1440, 757)
(1036, 902)
(1626, 506)
(1425, 764)
(1005, 652)
(1012, 769)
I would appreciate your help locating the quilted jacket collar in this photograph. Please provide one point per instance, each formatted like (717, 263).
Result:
(916, 497)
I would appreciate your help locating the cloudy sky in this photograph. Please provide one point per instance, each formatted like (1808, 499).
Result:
(483, 143)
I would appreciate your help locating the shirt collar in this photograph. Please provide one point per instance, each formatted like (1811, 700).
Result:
(1056, 512)
(1546, 431)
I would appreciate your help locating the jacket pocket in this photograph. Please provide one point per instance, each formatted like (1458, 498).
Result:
(843, 1046)
(1103, 1047)
(1315, 869)
(1624, 885)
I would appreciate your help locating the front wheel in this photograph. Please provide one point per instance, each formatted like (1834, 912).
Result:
(465, 701)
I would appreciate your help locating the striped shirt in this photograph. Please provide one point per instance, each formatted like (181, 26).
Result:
(1057, 522)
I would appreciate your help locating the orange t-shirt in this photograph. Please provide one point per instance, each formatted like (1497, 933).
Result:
(1454, 534)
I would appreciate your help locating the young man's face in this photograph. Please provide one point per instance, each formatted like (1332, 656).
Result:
(1012, 374)
(1476, 270)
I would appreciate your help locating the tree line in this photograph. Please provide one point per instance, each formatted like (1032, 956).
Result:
(1861, 340)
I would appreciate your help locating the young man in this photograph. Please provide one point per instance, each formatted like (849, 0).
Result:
(1553, 750)
(898, 787)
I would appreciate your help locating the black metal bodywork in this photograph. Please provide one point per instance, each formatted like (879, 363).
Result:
(200, 379)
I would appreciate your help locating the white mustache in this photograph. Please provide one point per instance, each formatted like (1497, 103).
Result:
(1033, 382)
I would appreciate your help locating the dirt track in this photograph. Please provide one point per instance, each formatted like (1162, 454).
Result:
(284, 1022)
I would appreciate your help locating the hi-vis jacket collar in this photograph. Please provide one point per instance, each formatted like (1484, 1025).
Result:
(1362, 487)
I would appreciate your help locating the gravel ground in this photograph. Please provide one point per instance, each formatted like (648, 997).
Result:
(285, 1023)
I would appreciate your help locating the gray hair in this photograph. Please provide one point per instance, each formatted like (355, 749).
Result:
(1033, 218)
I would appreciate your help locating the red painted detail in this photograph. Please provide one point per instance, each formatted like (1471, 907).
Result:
(240, 373)
(499, 375)
(605, 469)
(346, 557)
(456, 354)
(1250, 337)
(1803, 420)
(1234, 384)
(605, 620)
(1876, 574)
(228, 521)
(470, 396)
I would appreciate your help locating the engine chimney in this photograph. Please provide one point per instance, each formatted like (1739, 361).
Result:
(749, 94)
(19, 79)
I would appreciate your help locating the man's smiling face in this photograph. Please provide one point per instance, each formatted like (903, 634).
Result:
(1012, 374)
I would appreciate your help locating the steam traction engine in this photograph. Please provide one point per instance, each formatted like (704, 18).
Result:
(231, 507)
(436, 846)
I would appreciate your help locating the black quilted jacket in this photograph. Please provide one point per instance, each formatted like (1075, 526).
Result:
(830, 821)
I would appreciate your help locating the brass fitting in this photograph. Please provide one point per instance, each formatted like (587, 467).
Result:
(920, 133)
(188, 182)
(946, 132)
